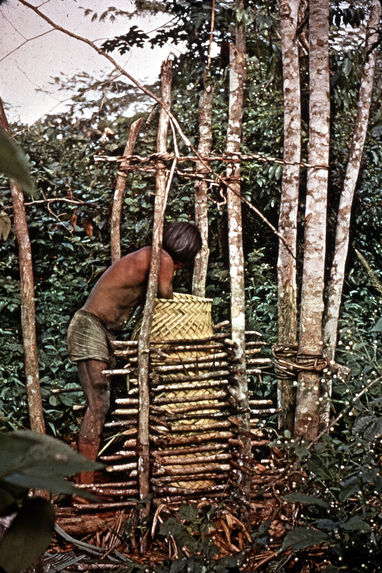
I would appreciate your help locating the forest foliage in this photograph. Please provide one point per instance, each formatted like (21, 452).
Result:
(69, 224)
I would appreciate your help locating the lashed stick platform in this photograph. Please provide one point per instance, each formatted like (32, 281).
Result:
(195, 443)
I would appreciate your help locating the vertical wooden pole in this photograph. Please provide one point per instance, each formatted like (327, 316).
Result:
(201, 187)
(237, 75)
(286, 264)
(28, 310)
(312, 292)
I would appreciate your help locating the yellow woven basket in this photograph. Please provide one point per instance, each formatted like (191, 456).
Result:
(184, 317)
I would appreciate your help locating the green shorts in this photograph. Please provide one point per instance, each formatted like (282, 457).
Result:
(88, 338)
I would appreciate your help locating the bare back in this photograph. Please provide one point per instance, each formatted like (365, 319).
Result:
(123, 286)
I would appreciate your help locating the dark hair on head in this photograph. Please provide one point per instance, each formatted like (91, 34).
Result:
(182, 241)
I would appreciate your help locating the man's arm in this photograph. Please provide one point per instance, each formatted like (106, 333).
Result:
(166, 274)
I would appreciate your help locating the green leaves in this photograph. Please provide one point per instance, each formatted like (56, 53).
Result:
(305, 499)
(13, 162)
(303, 537)
(29, 460)
(28, 536)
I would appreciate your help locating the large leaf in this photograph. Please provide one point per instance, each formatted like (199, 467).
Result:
(28, 536)
(30, 460)
(33, 454)
(355, 524)
(13, 162)
(302, 537)
(370, 427)
(305, 499)
(179, 532)
(10, 496)
(49, 483)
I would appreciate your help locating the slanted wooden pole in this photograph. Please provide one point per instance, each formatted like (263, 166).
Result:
(115, 223)
(161, 188)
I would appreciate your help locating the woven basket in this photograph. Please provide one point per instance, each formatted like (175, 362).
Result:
(184, 317)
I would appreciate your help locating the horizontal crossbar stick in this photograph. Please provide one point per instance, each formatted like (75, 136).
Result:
(193, 416)
(192, 428)
(191, 450)
(107, 485)
(211, 476)
(188, 386)
(188, 460)
(196, 470)
(266, 411)
(176, 500)
(259, 361)
(122, 424)
(221, 339)
(193, 439)
(188, 398)
(118, 456)
(86, 507)
(189, 491)
(225, 157)
(179, 361)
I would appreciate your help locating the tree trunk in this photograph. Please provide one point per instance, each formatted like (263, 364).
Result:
(286, 266)
(341, 246)
(28, 311)
(237, 75)
(143, 445)
(352, 171)
(312, 303)
(201, 187)
(115, 223)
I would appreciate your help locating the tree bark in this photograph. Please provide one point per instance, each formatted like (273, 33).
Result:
(28, 310)
(115, 223)
(201, 187)
(352, 171)
(143, 445)
(312, 302)
(286, 265)
(341, 245)
(237, 74)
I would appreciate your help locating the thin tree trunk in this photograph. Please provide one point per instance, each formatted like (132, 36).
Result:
(115, 223)
(312, 303)
(28, 311)
(341, 246)
(352, 171)
(286, 266)
(237, 74)
(201, 187)
(143, 445)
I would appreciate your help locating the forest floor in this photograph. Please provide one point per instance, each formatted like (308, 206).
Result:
(196, 537)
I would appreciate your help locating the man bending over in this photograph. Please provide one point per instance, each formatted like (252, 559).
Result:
(119, 290)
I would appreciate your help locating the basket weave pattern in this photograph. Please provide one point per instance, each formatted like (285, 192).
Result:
(182, 317)
(186, 411)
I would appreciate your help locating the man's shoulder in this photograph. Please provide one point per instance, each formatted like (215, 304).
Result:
(144, 255)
